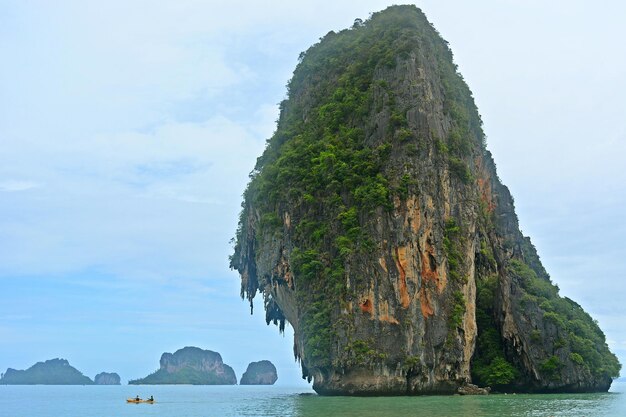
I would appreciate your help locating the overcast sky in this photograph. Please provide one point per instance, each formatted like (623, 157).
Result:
(128, 129)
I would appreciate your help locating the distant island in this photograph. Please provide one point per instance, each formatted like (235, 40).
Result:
(105, 378)
(259, 373)
(51, 372)
(190, 365)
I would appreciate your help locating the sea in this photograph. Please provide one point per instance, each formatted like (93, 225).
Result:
(224, 401)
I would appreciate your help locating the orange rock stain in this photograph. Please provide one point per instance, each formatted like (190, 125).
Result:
(367, 306)
(401, 263)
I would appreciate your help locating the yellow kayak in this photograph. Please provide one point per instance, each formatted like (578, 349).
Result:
(137, 401)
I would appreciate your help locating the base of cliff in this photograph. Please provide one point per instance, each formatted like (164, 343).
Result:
(368, 384)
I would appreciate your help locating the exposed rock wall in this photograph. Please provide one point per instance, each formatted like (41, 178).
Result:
(377, 268)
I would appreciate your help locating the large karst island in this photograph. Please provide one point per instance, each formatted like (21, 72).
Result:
(51, 372)
(376, 225)
(190, 365)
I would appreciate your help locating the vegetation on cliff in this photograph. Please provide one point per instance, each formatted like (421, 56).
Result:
(569, 336)
(361, 221)
(321, 165)
(490, 366)
(50, 372)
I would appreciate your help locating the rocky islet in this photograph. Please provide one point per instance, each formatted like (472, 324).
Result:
(51, 372)
(107, 378)
(190, 365)
(259, 373)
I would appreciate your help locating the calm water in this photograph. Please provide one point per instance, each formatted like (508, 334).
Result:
(222, 401)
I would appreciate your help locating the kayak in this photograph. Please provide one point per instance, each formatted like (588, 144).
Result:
(137, 401)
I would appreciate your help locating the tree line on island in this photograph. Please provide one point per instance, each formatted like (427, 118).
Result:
(190, 365)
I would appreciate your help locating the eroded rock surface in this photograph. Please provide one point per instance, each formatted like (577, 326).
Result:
(376, 225)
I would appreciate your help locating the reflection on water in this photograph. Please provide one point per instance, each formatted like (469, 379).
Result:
(227, 401)
(607, 404)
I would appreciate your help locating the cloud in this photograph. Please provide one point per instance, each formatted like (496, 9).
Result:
(17, 185)
(133, 202)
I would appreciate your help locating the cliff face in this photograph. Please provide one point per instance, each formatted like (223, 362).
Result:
(50, 372)
(191, 365)
(376, 225)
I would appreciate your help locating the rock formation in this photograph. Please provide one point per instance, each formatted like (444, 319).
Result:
(471, 389)
(190, 365)
(259, 373)
(105, 378)
(376, 225)
(51, 372)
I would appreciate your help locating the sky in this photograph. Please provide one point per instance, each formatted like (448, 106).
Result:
(128, 130)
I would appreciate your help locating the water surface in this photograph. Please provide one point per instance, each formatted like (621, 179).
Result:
(205, 401)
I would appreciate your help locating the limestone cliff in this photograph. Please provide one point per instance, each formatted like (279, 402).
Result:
(190, 365)
(376, 225)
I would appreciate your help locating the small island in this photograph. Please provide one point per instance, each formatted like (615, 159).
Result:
(259, 373)
(106, 378)
(190, 365)
(51, 372)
